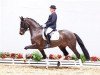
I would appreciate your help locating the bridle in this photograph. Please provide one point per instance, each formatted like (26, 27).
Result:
(24, 25)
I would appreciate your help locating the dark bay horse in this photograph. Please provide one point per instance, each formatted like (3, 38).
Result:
(67, 38)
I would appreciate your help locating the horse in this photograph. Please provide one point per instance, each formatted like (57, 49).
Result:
(66, 38)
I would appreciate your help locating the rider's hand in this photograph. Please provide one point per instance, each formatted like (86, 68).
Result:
(44, 25)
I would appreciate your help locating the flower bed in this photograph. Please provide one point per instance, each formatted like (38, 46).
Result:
(73, 57)
(37, 56)
(57, 56)
(11, 55)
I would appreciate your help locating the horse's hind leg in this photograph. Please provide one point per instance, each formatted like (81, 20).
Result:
(63, 49)
(73, 48)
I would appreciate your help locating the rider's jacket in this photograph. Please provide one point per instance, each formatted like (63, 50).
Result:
(51, 22)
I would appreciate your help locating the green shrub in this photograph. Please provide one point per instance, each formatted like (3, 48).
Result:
(0, 54)
(74, 57)
(82, 57)
(36, 56)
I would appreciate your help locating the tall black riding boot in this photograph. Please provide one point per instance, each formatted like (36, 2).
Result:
(48, 41)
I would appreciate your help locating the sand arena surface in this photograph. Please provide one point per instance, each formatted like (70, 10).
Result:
(30, 70)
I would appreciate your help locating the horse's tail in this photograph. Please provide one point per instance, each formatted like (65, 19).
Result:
(80, 42)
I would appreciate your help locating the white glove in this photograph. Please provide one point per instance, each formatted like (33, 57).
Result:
(44, 25)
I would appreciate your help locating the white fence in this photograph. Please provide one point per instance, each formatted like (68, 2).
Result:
(50, 63)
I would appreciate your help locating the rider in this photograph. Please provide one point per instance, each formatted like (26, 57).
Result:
(51, 23)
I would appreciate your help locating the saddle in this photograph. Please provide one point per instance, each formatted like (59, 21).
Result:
(54, 34)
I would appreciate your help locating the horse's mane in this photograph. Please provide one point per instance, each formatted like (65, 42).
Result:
(34, 21)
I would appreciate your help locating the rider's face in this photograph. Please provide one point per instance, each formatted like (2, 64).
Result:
(52, 10)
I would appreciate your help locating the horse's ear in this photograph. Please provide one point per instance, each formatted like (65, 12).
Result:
(21, 18)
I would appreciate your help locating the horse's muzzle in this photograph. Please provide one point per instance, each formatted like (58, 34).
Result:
(21, 33)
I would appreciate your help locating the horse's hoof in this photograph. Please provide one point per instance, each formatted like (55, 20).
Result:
(44, 57)
(67, 57)
(87, 59)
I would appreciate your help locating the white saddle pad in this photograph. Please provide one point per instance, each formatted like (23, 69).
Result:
(54, 35)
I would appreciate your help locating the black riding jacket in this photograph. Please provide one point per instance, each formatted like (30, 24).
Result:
(51, 22)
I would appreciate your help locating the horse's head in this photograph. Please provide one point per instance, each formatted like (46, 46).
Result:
(23, 26)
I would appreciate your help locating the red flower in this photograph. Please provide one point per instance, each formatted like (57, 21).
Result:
(13, 55)
(3, 56)
(59, 56)
(94, 58)
(51, 56)
(19, 56)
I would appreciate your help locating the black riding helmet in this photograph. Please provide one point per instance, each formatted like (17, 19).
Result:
(53, 7)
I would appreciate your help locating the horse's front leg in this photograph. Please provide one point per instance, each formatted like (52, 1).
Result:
(33, 46)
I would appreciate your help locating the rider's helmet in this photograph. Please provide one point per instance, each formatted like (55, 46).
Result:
(53, 7)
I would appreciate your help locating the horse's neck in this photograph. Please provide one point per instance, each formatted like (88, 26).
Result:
(34, 28)
(35, 31)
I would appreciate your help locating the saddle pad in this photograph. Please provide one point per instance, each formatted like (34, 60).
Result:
(54, 35)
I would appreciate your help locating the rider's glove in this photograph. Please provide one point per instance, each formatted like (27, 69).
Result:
(44, 25)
